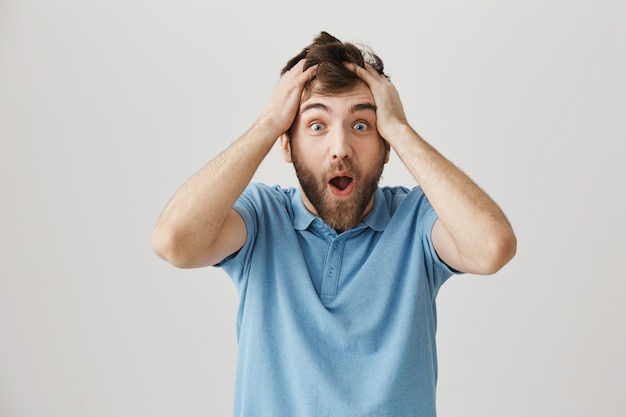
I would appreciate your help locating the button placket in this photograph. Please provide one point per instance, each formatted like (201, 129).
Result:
(332, 270)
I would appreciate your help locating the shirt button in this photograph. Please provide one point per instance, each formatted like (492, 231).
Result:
(336, 246)
(331, 272)
(318, 223)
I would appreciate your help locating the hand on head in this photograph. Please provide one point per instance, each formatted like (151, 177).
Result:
(389, 108)
(284, 102)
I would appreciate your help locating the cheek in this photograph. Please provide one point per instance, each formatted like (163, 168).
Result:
(306, 159)
(310, 150)
(376, 154)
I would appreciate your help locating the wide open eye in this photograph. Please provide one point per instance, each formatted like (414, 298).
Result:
(361, 127)
(316, 127)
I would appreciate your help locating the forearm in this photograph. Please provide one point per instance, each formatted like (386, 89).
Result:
(483, 238)
(472, 233)
(198, 226)
(193, 218)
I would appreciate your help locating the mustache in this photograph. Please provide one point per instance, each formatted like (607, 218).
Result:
(342, 165)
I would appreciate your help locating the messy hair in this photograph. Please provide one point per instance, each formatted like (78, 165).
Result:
(329, 53)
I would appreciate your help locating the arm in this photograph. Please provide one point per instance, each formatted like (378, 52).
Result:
(198, 227)
(472, 233)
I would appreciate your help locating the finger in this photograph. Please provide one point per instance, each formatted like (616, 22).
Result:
(374, 72)
(310, 72)
(361, 72)
(298, 69)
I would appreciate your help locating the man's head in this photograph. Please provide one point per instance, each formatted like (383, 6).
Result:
(333, 142)
(329, 53)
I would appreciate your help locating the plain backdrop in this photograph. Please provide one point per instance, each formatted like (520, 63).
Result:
(108, 106)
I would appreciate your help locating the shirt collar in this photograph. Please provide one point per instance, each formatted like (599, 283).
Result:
(302, 216)
(377, 219)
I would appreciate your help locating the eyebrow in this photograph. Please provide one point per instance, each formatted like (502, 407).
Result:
(363, 106)
(317, 106)
(353, 109)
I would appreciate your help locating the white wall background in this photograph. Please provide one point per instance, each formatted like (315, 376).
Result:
(107, 106)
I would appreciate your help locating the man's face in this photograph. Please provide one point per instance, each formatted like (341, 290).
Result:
(338, 155)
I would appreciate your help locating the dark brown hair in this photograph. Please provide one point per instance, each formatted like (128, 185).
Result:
(330, 53)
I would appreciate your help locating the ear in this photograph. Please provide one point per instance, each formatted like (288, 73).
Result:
(387, 150)
(286, 148)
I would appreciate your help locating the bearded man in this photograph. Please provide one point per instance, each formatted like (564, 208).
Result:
(337, 279)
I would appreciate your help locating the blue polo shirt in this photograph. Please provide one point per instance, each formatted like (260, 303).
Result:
(336, 324)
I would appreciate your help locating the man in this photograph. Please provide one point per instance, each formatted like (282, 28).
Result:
(337, 281)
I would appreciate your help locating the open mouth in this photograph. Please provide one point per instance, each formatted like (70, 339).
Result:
(341, 184)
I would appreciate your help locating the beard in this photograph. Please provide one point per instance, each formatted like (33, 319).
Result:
(339, 213)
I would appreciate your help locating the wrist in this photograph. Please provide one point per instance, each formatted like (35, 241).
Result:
(268, 127)
(397, 131)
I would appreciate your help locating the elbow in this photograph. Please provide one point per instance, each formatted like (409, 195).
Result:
(169, 248)
(499, 250)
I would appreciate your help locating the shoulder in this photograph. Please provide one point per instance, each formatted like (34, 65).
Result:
(261, 189)
(397, 196)
(266, 203)
(258, 193)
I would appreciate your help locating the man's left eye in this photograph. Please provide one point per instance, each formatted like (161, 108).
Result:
(360, 127)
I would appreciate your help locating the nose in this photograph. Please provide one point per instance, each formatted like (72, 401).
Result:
(340, 147)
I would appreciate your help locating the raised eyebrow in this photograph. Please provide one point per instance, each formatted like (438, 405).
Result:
(363, 106)
(311, 106)
(353, 109)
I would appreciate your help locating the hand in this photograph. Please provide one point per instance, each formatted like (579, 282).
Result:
(389, 109)
(283, 106)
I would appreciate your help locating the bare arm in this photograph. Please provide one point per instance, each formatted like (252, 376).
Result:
(198, 227)
(472, 233)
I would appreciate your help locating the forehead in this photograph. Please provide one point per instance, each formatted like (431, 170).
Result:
(359, 95)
